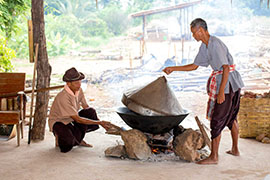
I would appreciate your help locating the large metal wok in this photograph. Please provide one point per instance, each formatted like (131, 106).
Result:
(150, 124)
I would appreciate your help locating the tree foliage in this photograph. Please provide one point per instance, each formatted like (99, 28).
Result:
(10, 10)
(71, 24)
(6, 54)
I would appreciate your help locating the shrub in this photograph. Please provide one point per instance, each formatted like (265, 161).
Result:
(6, 54)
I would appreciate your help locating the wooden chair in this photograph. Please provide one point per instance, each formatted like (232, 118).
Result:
(12, 107)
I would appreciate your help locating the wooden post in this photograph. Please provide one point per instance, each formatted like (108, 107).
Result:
(143, 38)
(205, 136)
(183, 40)
(3, 104)
(175, 54)
(140, 47)
(130, 60)
(15, 104)
(10, 104)
(169, 47)
(30, 41)
(32, 95)
(97, 4)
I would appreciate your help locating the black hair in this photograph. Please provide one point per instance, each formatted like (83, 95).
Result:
(199, 22)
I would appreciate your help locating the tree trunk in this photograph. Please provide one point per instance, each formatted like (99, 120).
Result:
(43, 71)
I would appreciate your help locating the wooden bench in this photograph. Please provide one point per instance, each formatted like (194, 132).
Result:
(12, 106)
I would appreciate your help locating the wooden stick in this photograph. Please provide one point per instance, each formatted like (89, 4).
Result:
(114, 130)
(205, 136)
(30, 91)
(46, 89)
(32, 95)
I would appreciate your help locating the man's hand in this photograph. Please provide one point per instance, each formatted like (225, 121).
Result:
(220, 97)
(168, 70)
(105, 124)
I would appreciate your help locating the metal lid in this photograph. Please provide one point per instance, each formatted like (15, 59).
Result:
(156, 98)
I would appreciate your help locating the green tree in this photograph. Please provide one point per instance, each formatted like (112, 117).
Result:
(10, 10)
(116, 20)
(78, 8)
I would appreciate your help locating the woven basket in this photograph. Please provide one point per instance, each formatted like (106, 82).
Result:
(254, 117)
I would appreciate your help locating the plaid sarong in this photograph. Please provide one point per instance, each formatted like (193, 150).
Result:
(212, 91)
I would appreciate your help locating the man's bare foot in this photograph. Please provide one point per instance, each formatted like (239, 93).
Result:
(234, 153)
(208, 160)
(83, 143)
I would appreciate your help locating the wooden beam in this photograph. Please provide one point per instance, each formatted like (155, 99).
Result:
(160, 10)
(30, 41)
(29, 91)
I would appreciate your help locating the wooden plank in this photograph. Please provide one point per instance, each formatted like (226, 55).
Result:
(205, 136)
(12, 82)
(9, 117)
(6, 75)
(11, 89)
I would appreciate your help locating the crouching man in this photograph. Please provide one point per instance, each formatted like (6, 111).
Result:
(67, 123)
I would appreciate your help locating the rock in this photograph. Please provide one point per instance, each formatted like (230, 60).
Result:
(266, 140)
(116, 151)
(204, 153)
(187, 144)
(260, 137)
(136, 144)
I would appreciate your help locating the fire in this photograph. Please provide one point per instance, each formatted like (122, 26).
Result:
(155, 150)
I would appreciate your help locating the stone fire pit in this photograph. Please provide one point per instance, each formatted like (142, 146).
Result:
(153, 110)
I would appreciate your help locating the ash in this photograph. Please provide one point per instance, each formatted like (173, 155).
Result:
(163, 157)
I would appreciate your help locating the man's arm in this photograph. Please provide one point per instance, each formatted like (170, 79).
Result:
(105, 124)
(225, 77)
(85, 106)
(189, 67)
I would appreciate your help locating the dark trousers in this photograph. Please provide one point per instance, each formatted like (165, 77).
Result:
(225, 114)
(73, 133)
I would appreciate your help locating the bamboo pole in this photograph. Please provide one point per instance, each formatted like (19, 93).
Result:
(32, 95)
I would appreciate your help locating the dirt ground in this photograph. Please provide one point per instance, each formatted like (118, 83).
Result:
(42, 160)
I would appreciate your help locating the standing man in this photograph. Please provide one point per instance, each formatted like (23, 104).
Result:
(69, 126)
(223, 87)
